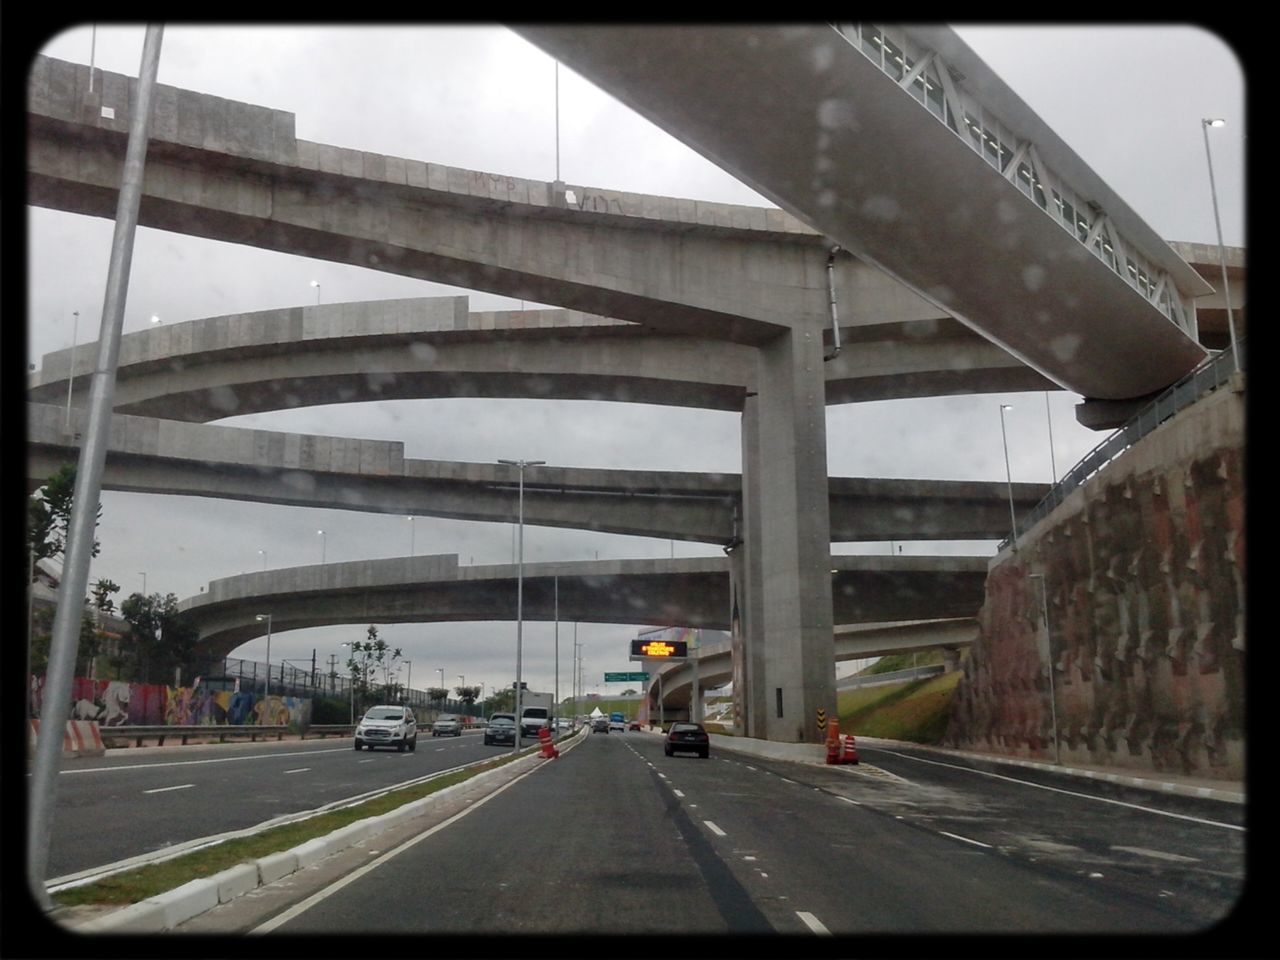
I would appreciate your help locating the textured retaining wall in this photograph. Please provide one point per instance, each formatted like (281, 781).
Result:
(1145, 571)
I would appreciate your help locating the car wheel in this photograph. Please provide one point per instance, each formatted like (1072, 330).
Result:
(413, 745)
(667, 751)
(358, 744)
(705, 754)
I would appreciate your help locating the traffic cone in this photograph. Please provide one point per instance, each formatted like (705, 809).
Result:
(549, 751)
(833, 740)
(850, 754)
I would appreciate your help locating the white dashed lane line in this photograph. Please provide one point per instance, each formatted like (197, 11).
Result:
(181, 786)
(956, 836)
(714, 829)
(299, 770)
(812, 922)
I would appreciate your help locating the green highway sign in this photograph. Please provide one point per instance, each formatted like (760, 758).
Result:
(625, 677)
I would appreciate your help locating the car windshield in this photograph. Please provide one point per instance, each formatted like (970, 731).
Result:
(981, 525)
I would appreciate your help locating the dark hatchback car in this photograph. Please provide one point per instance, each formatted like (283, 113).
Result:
(599, 725)
(500, 729)
(687, 738)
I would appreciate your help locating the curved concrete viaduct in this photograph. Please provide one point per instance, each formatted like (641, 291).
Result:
(216, 367)
(686, 591)
(167, 457)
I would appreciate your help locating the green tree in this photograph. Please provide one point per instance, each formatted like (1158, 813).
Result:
(101, 593)
(437, 695)
(369, 658)
(467, 695)
(160, 637)
(49, 515)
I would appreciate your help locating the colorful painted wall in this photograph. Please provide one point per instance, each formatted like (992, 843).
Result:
(1144, 573)
(116, 703)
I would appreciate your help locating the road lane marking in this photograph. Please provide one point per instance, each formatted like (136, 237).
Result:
(678, 793)
(956, 836)
(1157, 854)
(848, 800)
(812, 922)
(714, 829)
(188, 763)
(299, 770)
(370, 760)
(1070, 793)
(785, 780)
(181, 786)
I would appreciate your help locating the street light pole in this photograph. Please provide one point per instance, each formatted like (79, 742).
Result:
(1048, 635)
(267, 617)
(1222, 253)
(520, 465)
(316, 284)
(322, 545)
(1013, 522)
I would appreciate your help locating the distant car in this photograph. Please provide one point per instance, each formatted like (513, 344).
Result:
(563, 723)
(387, 725)
(617, 722)
(447, 727)
(634, 725)
(501, 728)
(599, 725)
(687, 738)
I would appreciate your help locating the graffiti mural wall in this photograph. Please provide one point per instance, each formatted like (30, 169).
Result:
(1137, 608)
(115, 703)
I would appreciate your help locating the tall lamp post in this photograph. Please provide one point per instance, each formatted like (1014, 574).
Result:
(1222, 253)
(71, 372)
(267, 617)
(1013, 523)
(322, 545)
(520, 465)
(316, 284)
(1048, 636)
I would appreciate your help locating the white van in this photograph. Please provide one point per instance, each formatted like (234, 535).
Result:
(533, 719)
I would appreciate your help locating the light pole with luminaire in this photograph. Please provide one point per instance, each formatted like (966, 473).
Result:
(1009, 475)
(264, 558)
(520, 465)
(413, 527)
(322, 545)
(463, 683)
(1222, 253)
(143, 575)
(316, 284)
(1048, 636)
(267, 617)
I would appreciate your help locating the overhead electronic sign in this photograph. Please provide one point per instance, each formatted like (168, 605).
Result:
(664, 649)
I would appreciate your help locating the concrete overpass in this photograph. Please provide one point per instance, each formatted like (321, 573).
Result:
(687, 591)
(216, 367)
(762, 279)
(714, 665)
(151, 455)
(901, 145)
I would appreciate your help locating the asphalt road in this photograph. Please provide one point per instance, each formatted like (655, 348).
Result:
(139, 801)
(614, 838)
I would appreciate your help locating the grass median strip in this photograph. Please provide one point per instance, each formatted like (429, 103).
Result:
(132, 886)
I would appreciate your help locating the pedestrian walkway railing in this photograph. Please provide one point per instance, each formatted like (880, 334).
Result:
(1204, 379)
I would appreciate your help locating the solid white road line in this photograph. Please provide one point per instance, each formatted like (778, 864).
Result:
(298, 770)
(189, 763)
(714, 829)
(181, 786)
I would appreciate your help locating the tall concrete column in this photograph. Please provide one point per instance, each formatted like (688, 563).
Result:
(787, 620)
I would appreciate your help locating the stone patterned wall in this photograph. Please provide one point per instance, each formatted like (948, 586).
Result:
(1145, 569)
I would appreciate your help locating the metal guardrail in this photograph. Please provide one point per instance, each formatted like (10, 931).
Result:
(1207, 377)
(328, 729)
(221, 731)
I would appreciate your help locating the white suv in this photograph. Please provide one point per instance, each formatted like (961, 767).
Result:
(387, 726)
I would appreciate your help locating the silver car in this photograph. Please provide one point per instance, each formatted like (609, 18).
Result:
(447, 727)
(387, 725)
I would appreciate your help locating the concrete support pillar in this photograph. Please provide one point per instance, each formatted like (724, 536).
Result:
(950, 659)
(786, 568)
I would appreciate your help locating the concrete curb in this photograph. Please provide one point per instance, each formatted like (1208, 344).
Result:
(173, 907)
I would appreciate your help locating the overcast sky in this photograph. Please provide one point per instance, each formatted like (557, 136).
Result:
(1129, 100)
